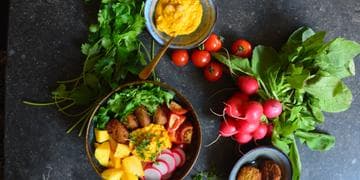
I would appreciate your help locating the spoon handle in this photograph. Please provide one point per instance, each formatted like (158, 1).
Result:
(145, 73)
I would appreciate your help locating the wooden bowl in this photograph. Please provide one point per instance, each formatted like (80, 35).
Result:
(192, 152)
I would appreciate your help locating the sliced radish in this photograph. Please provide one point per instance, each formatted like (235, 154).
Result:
(152, 174)
(161, 166)
(167, 151)
(177, 159)
(169, 160)
(167, 176)
(181, 153)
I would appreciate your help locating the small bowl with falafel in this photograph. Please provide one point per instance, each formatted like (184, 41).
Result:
(143, 130)
(262, 163)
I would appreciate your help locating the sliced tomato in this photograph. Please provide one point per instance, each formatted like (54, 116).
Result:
(175, 121)
(176, 108)
(184, 133)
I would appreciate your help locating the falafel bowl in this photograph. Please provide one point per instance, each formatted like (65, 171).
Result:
(143, 130)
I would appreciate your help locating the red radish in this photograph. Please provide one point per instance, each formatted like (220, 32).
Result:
(181, 153)
(152, 174)
(166, 151)
(260, 132)
(270, 130)
(227, 129)
(248, 84)
(161, 166)
(169, 160)
(253, 111)
(246, 127)
(272, 108)
(177, 159)
(234, 107)
(242, 138)
(241, 96)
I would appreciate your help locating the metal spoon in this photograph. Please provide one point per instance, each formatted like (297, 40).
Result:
(145, 73)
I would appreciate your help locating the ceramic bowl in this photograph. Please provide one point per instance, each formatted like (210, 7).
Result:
(264, 153)
(192, 151)
(184, 41)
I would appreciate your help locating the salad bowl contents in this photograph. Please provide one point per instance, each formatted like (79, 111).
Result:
(262, 163)
(143, 130)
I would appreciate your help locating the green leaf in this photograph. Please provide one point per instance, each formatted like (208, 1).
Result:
(297, 76)
(101, 118)
(85, 48)
(91, 80)
(337, 57)
(82, 95)
(235, 64)
(60, 91)
(264, 58)
(316, 141)
(333, 94)
(282, 145)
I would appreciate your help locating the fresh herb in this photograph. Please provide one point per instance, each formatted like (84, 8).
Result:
(113, 51)
(306, 76)
(126, 101)
(205, 175)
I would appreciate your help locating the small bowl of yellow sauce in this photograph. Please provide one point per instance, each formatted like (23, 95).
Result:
(189, 21)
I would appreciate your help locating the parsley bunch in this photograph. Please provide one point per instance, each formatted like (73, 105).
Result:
(113, 51)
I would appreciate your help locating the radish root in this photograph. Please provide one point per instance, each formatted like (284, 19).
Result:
(213, 142)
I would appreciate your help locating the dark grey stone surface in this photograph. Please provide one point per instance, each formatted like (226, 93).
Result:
(43, 46)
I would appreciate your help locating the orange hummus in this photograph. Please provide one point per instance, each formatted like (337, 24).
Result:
(178, 17)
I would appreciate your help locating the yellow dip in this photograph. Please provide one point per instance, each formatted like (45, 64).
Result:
(178, 17)
(148, 142)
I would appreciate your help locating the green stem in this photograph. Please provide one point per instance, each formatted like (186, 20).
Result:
(85, 122)
(146, 51)
(41, 104)
(70, 80)
(264, 87)
(76, 124)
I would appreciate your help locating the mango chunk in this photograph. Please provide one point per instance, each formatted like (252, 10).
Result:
(112, 174)
(101, 135)
(129, 176)
(115, 162)
(132, 164)
(122, 151)
(102, 153)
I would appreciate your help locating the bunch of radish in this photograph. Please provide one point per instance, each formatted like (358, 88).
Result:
(165, 164)
(243, 116)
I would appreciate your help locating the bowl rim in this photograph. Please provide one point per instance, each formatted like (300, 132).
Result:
(236, 169)
(157, 83)
(161, 41)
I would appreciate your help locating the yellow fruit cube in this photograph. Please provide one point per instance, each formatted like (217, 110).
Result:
(129, 176)
(132, 164)
(101, 135)
(115, 162)
(102, 153)
(122, 151)
(112, 174)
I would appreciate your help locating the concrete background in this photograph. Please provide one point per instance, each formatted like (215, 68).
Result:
(44, 46)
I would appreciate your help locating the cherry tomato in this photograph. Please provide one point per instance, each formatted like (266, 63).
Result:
(180, 57)
(241, 48)
(213, 71)
(200, 58)
(213, 43)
